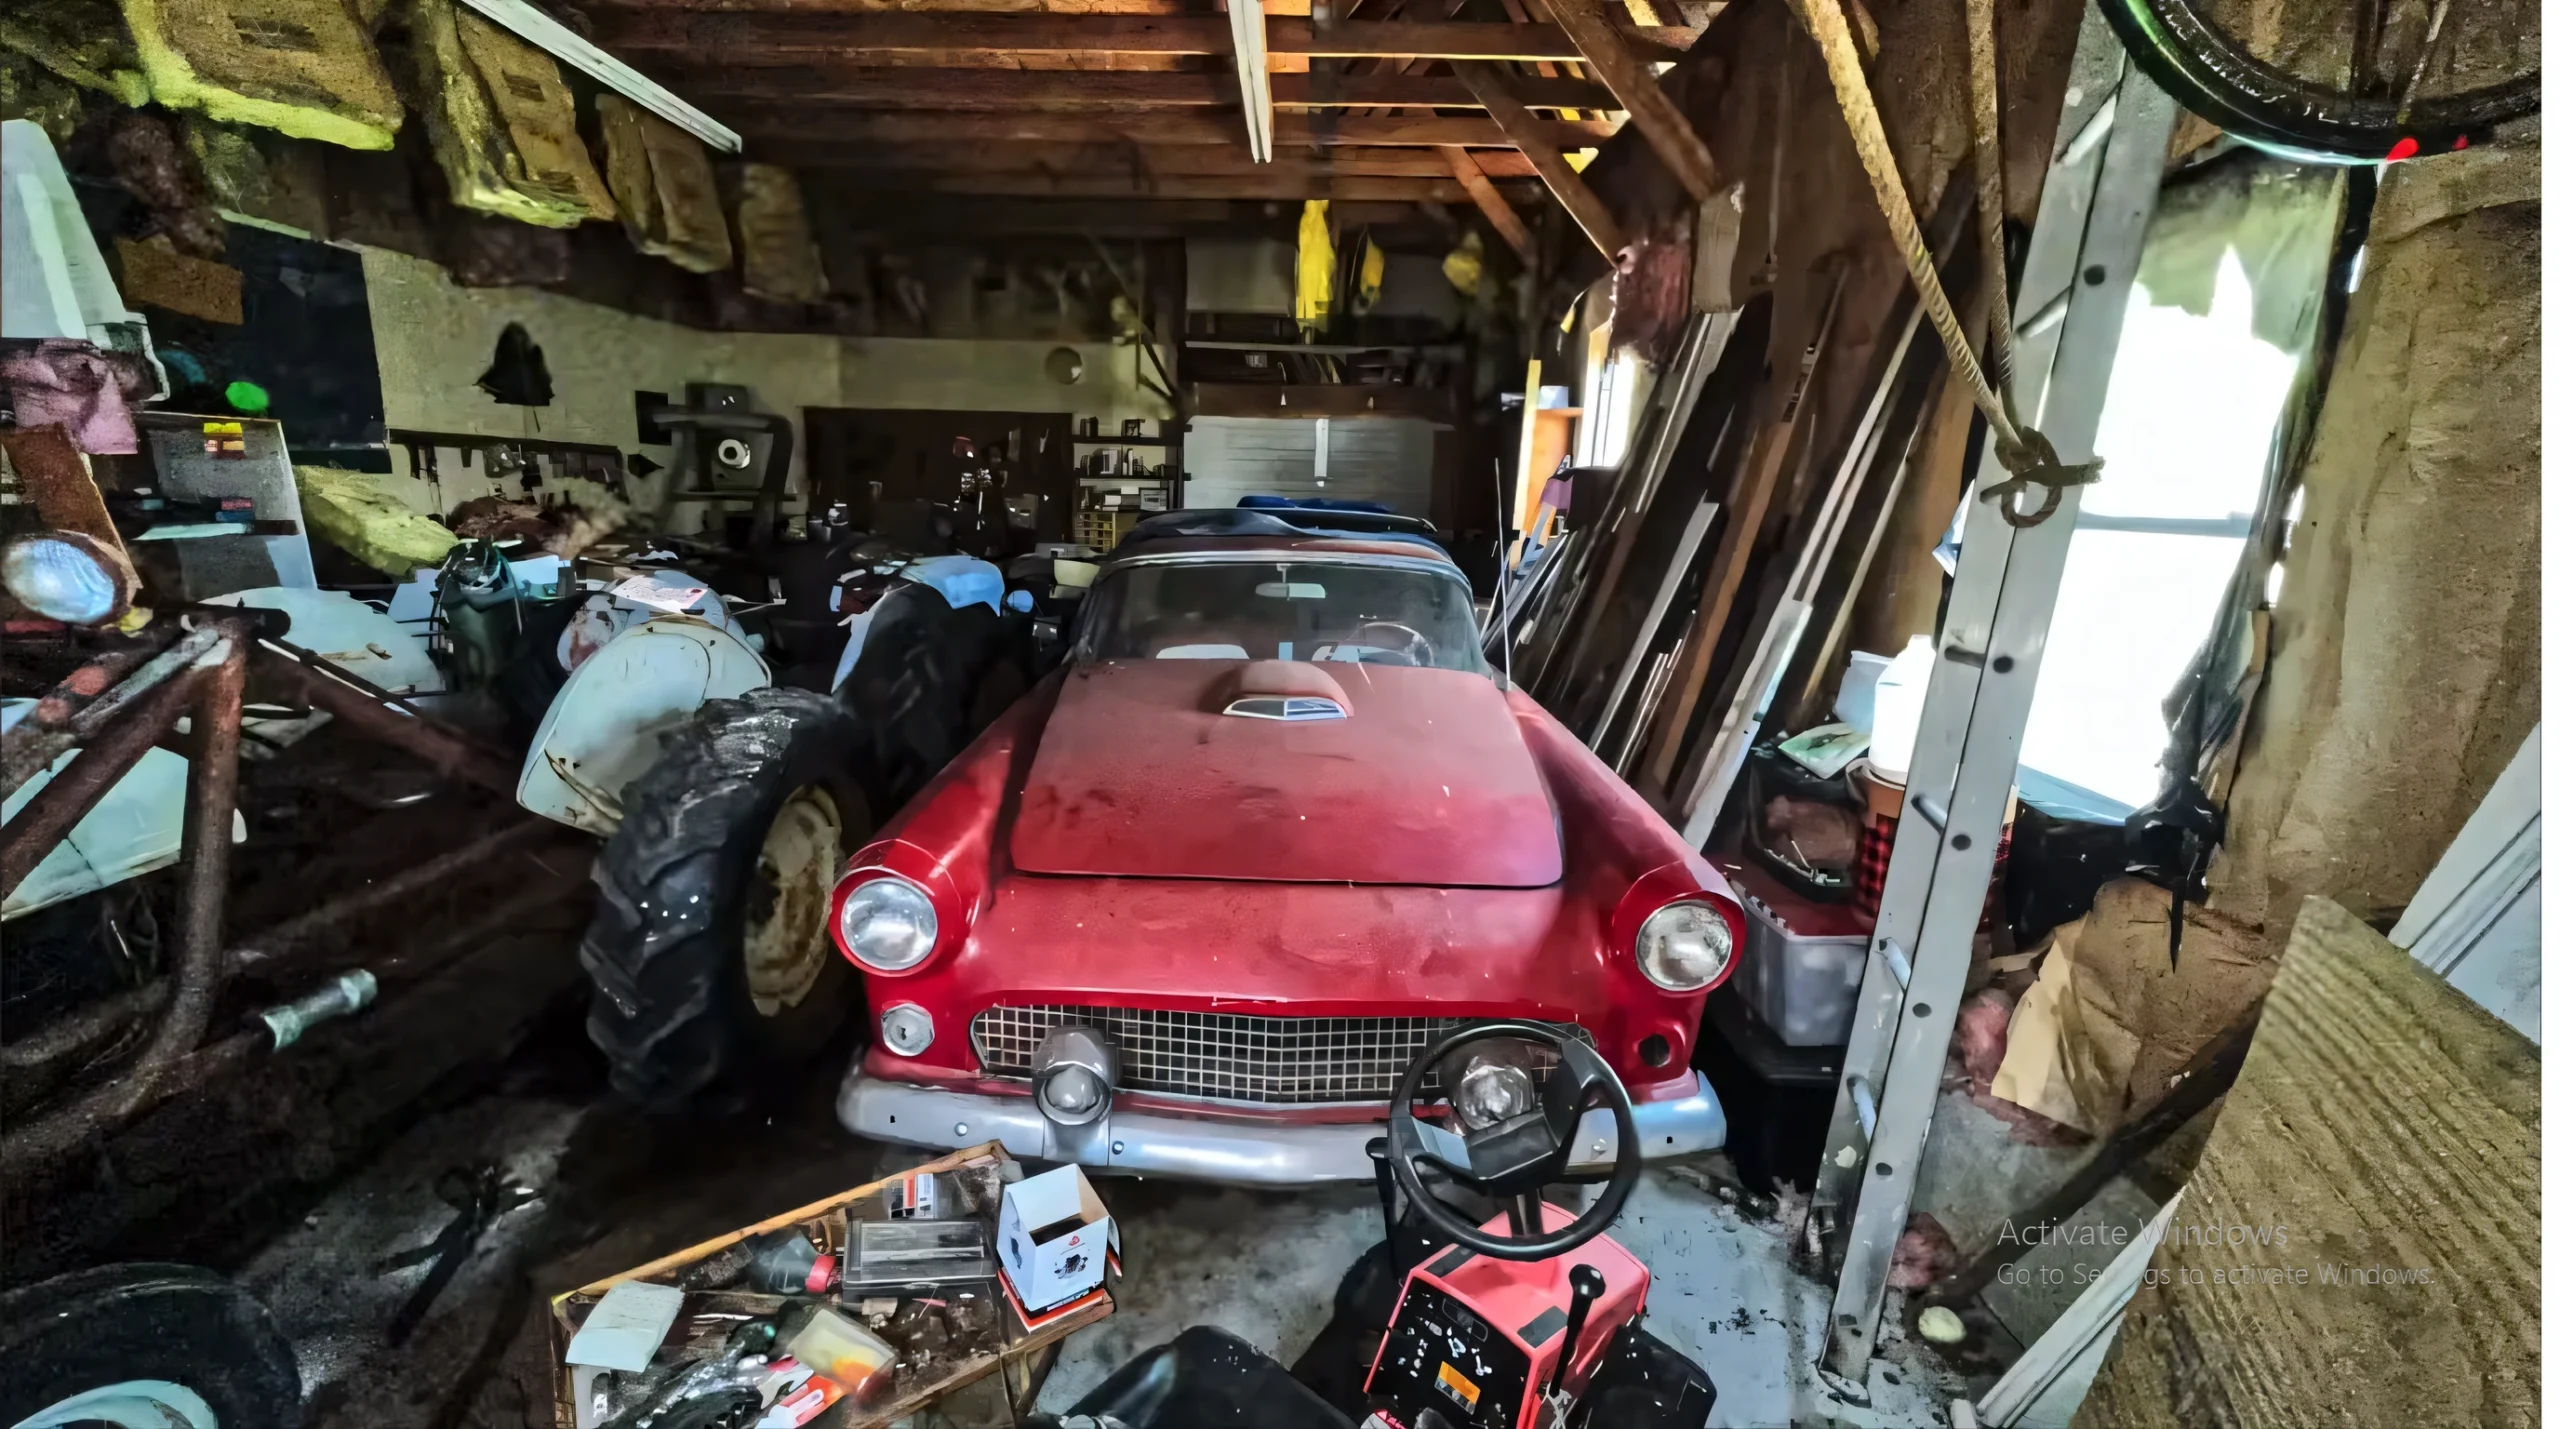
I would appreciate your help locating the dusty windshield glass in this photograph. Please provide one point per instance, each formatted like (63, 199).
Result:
(1302, 610)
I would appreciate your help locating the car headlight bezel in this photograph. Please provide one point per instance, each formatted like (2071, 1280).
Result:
(1685, 945)
(865, 913)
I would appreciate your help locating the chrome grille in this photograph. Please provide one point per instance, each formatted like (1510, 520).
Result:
(1272, 1061)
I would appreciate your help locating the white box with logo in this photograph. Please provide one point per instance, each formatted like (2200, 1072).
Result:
(1052, 1237)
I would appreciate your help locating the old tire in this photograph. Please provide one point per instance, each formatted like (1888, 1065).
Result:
(138, 1339)
(709, 951)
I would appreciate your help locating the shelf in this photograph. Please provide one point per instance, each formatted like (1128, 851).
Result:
(1122, 481)
(1124, 441)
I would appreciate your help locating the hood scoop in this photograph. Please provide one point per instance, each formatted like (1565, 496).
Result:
(1147, 769)
(1292, 691)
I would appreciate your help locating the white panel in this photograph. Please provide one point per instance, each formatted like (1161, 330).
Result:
(1382, 459)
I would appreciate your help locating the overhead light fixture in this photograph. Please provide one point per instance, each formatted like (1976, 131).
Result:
(1253, 75)
(565, 45)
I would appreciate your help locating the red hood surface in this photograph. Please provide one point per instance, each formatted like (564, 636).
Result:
(1427, 781)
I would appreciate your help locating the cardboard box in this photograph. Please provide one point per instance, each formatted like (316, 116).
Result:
(1052, 1236)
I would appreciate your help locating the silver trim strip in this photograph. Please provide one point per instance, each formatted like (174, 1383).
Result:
(1235, 1153)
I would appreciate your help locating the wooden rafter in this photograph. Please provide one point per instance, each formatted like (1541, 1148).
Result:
(1497, 92)
(782, 120)
(959, 156)
(1666, 130)
(794, 37)
(1248, 35)
(1468, 169)
(1004, 89)
(1272, 183)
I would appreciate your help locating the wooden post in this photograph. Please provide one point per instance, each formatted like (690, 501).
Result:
(1492, 89)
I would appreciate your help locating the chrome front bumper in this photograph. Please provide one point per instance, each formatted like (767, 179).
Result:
(1242, 1153)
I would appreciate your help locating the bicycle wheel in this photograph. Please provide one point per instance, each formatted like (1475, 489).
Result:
(2467, 79)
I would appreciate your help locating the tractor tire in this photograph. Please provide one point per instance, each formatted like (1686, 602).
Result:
(930, 679)
(144, 1344)
(710, 954)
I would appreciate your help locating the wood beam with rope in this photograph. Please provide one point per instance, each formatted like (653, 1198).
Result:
(1496, 92)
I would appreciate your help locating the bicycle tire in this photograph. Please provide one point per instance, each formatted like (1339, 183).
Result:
(2199, 66)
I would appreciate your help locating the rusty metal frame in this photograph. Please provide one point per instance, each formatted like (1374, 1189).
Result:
(115, 709)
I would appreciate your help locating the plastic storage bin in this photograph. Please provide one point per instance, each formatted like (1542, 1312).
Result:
(1802, 960)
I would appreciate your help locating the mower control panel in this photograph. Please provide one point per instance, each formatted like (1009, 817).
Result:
(1443, 1356)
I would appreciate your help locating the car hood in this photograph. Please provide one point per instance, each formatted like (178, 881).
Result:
(1142, 773)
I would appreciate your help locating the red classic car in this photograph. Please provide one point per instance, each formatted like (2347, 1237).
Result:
(1191, 906)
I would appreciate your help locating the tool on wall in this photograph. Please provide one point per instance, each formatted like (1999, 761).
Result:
(729, 453)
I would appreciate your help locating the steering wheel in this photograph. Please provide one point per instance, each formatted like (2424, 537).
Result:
(1416, 645)
(1511, 1159)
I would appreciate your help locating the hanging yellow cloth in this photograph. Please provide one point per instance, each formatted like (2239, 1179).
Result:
(1315, 267)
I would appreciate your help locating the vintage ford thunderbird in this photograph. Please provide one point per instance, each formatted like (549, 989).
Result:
(1193, 904)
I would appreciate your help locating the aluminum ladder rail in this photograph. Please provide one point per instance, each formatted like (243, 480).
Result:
(2099, 193)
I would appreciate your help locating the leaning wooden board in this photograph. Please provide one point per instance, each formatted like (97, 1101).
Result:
(2391, 1129)
(1024, 1355)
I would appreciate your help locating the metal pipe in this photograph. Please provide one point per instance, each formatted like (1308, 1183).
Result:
(76, 710)
(69, 1033)
(342, 996)
(439, 744)
(213, 784)
(104, 1110)
(276, 943)
(67, 798)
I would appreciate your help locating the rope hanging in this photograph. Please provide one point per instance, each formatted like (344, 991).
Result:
(2030, 459)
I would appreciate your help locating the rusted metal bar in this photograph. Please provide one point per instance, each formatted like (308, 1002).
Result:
(277, 943)
(213, 785)
(102, 1111)
(68, 797)
(90, 1025)
(368, 710)
(82, 705)
(261, 951)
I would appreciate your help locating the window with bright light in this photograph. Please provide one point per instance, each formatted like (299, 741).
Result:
(2192, 406)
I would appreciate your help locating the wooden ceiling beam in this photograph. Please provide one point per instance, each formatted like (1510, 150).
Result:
(1320, 128)
(1498, 93)
(793, 37)
(1272, 185)
(1116, 89)
(1666, 130)
(854, 199)
(1123, 159)
(1468, 169)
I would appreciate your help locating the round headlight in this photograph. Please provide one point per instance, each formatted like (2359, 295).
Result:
(887, 924)
(907, 1029)
(64, 576)
(1684, 946)
(1490, 1093)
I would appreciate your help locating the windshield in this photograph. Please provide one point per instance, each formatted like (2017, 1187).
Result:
(1299, 610)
